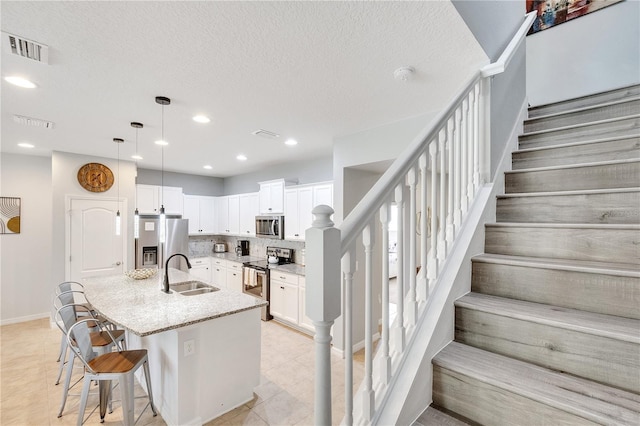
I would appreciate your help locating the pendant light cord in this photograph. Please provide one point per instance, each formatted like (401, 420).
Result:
(162, 159)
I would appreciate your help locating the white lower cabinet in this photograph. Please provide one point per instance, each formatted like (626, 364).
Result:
(303, 320)
(219, 273)
(234, 276)
(201, 268)
(284, 296)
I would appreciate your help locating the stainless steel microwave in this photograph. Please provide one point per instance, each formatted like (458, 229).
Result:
(270, 227)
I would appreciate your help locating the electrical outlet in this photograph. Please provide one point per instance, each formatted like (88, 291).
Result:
(189, 347)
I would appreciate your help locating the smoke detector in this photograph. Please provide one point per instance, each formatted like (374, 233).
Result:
(265, 134)
(404, 73)
(26, 48)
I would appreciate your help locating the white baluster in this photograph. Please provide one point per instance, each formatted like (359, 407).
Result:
(470, 145)
(485, 130)
(442, 214)
(432, 267)
(348, 266)
(476, 139)
(463, 156)
(457, 212)
(368, 394)
(423, 288)
(412, 305)
(398, 328)
(322, 301)
(385, 359)
(450, 148)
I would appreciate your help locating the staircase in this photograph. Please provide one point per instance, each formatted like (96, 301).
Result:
(550, 333)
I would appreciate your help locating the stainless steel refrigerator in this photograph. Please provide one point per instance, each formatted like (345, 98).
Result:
(150, 253)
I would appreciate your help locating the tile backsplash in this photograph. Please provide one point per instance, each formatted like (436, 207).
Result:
(200, 246)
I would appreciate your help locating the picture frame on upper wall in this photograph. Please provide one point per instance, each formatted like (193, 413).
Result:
(555, 12)
(10, 215)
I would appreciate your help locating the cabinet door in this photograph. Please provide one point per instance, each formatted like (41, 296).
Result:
(202, 272)
(248, 213)
(147, 199)
(192, 212)
(234, 280)
(291, 303)
(291, 227)
(172, 200)
(277, 197)
(223, 214)
(276, 300)
(265, 198)
(305, 205)
(323, 194)
(219, 276)
(207, 215)
(234, 214)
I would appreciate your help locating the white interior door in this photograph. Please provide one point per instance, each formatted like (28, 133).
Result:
(94, 248)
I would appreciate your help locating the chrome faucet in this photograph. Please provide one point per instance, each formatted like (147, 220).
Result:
(165, 283)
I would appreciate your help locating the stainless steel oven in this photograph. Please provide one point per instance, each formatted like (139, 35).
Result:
(270, 227)
(255, 281)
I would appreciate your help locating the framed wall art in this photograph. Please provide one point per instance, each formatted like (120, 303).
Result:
(554, 12)
(9, 215)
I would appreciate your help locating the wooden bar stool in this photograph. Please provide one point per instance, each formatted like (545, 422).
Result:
(120, 366)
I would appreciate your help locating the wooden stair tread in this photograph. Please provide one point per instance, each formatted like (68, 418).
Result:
(583, 109)
(609, 268)
(593, 401)
(575, 144)
(577, 126)
(574, 166)
(572, 192)
(597, 98)
(434, 417)
(606, 226)
(625, 329)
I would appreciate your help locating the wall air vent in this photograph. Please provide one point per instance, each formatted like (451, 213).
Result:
(26, 48)
(30, 121)
(265, 134)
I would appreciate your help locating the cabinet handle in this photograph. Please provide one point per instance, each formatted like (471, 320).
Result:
(283, 278)
(282, 287)
(296, 235)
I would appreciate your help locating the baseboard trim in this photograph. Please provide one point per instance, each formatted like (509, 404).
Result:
(26, 318)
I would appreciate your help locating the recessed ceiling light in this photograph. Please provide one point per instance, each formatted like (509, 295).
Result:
(163, 143)
(291, 142)
(136, 157)
(241, 157)
(21, 82)
(208, 167)
(25, 145)
(201, 119)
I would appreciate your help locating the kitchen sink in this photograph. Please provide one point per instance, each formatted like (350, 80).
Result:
(192, 288)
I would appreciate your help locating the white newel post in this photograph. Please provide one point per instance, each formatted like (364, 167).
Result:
(322, 302)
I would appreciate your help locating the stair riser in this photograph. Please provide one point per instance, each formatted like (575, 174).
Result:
(490, 405)
(598, 358)
(591, 292)
(599, 245)
(584, 102)
(607, 208)
(580, 117)
(605, 176)
(621, 149)
(617, 128)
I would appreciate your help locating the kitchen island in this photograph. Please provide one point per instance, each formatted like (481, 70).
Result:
(204, 350)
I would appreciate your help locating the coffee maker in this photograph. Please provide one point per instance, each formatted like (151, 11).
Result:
(242, 248)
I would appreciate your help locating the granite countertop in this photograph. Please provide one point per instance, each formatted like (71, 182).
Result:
(235, 258)
(292, 268)
(142, 308)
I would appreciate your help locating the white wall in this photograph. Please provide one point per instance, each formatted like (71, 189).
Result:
(64, 177)
(594, 53)
(25, 264)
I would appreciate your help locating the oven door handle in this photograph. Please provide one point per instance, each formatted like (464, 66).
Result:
(273, 227)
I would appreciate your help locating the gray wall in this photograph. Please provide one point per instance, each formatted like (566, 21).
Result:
(311, 171)
(493, 23)
(594, 53)
(190, 184)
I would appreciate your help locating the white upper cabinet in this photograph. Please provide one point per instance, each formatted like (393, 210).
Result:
(222, 213)
(291, 226)
(234, 214)
(151, 197)
(272, 196)
(249, 209)
(299, 202)
(200, 210)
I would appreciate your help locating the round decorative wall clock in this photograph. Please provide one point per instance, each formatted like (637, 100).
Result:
(95, 177)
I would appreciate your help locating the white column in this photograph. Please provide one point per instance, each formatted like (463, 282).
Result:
(423, 289)
(348, 266)
(368, 394)
(449, 174)
(385, 359)
(322, 301)
(398, 328)
(457, 212)
(442, 202)
(432, 269)
(412, 305)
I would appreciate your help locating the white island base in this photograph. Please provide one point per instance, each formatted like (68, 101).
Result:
(217, 376)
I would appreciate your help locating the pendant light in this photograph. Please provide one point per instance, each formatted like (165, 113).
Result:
(163, 223)
(118, 141)
(136, 215)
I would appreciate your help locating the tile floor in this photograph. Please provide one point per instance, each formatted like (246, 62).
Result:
(28, 370)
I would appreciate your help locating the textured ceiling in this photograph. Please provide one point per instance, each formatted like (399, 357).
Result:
(307, 70)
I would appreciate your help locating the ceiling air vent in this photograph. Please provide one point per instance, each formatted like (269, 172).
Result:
(265, 134)
(30, 121)
(26, 48)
